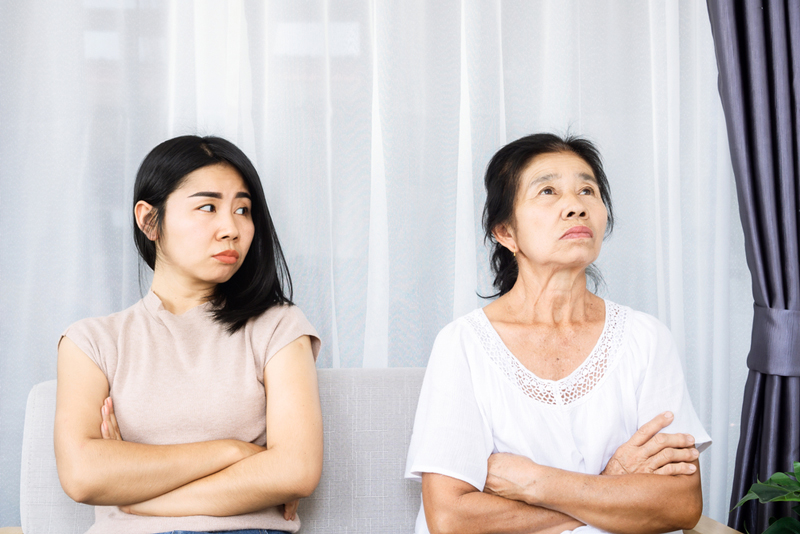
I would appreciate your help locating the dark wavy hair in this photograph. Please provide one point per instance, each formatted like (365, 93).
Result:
(502, 184)
(263, 279)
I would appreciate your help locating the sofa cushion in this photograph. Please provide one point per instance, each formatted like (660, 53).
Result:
(368, 415)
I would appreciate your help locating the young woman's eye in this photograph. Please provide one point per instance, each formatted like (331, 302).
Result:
(244, 210)
(207, 207)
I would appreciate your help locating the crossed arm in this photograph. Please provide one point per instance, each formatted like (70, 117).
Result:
(651, 484)
(221, 477)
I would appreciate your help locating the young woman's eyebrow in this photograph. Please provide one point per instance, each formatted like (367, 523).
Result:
(211, 194)
(214, 194)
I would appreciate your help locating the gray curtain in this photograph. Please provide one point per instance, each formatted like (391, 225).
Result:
(757, 44)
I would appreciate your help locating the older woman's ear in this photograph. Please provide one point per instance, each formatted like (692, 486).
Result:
(504, 234)
(144, 219)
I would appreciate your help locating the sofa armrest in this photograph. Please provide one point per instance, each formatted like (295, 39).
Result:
(706, 525)
(10, 530)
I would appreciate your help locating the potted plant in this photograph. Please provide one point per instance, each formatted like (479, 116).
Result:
(780, 487)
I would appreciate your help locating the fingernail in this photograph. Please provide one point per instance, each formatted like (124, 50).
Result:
(105, 410)
(690, 438)
(668, 415)
(692, 469)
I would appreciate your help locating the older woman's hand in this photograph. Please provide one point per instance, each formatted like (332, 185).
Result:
(511, 476)
(650, 452)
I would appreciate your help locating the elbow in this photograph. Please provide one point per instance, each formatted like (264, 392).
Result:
(77, 477)
(76, 485)
(691, 513)
(687, 511)
(306, 477)
(442, 522)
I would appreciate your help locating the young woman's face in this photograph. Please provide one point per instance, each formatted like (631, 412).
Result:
(207, 229)
(559, 217)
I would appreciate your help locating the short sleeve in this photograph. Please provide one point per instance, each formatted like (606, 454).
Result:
(451, 436)
(89, 336)
(664, 387)
(276, 328)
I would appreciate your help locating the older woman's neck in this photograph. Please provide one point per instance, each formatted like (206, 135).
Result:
(557, 298)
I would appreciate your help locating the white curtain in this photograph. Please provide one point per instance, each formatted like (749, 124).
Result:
(371, 123)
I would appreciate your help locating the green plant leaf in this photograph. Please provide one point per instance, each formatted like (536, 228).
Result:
(784, 525)
(784, 480)
(749, 497)
(796, 509)
(797, 470)
(764, 493)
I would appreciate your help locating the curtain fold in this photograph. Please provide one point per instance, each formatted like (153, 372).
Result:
(758, 54)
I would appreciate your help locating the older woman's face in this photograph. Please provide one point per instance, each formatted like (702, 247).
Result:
(559, 217)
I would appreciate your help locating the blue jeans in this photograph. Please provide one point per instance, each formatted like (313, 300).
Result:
(246, 531)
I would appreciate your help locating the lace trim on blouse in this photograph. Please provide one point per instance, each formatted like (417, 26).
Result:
(569, 389)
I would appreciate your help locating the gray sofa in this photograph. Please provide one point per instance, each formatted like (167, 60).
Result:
(368, 415)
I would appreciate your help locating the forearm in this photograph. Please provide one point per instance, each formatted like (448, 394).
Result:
(453, 506)
(111, 472)
(266, 479)
(635, 504)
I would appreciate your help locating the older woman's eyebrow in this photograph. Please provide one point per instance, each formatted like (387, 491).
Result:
(588, 177)
(544, 178)
(214, 194)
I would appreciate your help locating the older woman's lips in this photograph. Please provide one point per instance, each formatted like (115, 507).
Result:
(227, 256)
(577, 232)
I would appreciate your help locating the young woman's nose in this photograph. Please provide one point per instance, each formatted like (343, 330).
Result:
(227, 227)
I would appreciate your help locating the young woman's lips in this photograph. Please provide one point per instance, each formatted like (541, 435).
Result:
(578, 232)
(228, 256)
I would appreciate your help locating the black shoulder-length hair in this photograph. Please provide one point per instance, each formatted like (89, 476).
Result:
(263, 279)
(502, 184)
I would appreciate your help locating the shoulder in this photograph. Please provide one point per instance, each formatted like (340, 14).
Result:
(281, 316)
(465, 329)
(644, 335)
(459, 341)
(107, 326)
(644, 326)
(277, 327)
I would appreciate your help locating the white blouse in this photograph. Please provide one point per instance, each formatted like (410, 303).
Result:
(478, 399)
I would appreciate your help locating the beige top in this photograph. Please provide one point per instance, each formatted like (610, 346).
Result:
(212, 382)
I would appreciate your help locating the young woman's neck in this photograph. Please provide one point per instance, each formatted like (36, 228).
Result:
(177, 294)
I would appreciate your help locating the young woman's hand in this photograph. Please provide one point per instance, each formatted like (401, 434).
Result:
(109, 427)
(290, 510)
(651, 452)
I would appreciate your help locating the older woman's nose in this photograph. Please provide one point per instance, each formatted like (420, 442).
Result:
(574, 207)
(578, 214)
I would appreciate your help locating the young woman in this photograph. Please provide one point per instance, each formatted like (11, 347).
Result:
(196, 409)
(541, 412)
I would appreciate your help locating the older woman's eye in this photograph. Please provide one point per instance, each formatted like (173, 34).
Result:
(547, 191)
(587, 191)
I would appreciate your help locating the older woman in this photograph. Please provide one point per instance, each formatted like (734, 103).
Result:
(542, 411)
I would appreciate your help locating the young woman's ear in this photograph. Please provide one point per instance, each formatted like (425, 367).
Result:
(144, 219)
(504, 235)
